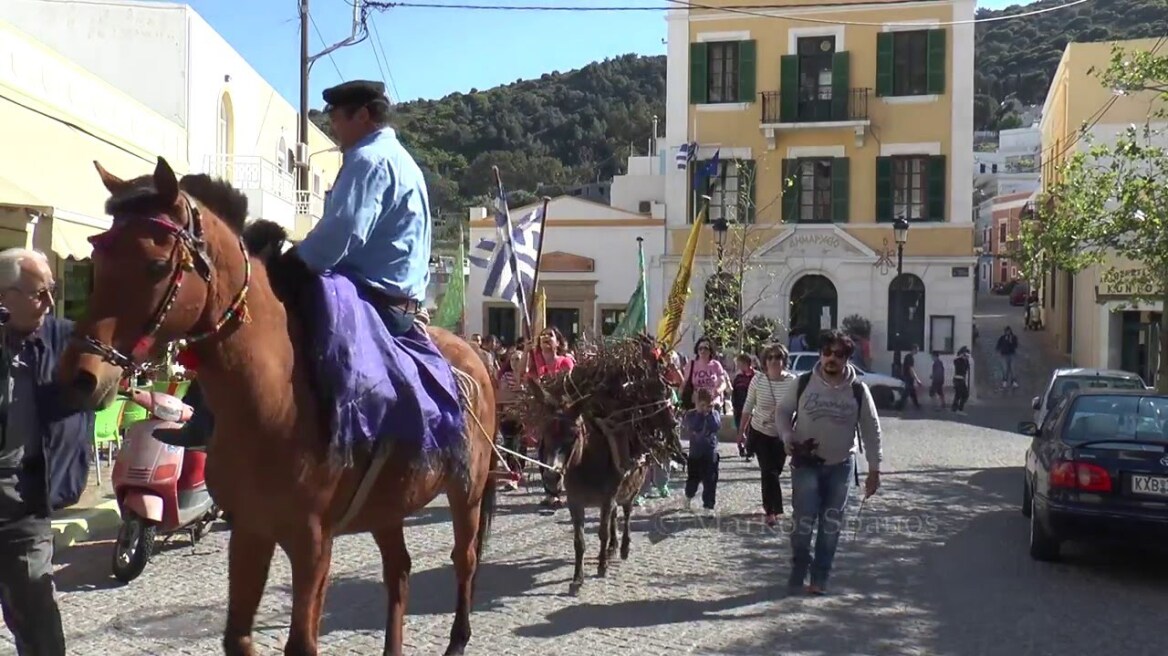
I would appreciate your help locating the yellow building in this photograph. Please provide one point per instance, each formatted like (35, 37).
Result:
(831, 120)
(56, 119)
(1091, 316)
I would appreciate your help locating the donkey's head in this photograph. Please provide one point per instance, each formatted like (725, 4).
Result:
(564, 433)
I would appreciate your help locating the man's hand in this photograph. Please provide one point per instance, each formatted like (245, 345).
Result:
(871, 484)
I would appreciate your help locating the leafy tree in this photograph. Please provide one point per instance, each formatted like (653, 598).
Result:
(1109, 206)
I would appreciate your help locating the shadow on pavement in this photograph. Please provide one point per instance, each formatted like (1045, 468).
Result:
(85, 567)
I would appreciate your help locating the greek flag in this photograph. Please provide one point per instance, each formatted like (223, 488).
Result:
(494, 255)
(685, 154)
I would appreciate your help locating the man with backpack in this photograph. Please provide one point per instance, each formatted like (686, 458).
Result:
(818, 425)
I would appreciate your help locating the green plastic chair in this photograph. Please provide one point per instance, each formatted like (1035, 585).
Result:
(178, 389)
(107, 431)
(131, 413)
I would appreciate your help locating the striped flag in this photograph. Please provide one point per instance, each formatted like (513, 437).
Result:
(495, 255)
(670, 325)
(685, 154)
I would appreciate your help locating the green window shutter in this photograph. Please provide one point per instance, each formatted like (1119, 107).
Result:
(788, 88)
(884, 189)
(935, 80)
(841, 91)
(936, 188)
(790, 190)
(884, 63)
(747, 194)
(840, 189)
(747, 70)
(699, 74)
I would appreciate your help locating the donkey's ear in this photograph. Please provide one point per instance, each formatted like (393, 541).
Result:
(112, 182)
(166, 182)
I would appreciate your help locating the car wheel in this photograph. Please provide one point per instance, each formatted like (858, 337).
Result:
(1027, 500)
(1043, 546)
(883, 397)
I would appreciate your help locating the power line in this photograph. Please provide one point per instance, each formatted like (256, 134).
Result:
(325, 44)
(757, 11)
(378, 43)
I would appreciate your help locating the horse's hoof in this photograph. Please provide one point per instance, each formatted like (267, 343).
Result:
(601, 572)
(574, 587)
(625, 552)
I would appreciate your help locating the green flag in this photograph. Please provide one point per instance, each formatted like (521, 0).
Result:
(636, 319)
(449, 314)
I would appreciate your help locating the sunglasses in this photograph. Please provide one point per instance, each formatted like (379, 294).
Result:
(837, 353)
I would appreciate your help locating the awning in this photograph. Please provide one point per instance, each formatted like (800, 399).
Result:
(14, 195)
(70, 233)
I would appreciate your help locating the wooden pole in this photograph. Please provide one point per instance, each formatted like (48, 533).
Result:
(539, 251)
(514, 261)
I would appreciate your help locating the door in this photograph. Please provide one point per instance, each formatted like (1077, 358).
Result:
(567, 320)
(815, 66)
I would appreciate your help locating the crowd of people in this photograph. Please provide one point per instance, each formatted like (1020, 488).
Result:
(766, 402)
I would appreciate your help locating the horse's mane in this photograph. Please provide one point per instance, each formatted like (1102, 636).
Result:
(140, 197)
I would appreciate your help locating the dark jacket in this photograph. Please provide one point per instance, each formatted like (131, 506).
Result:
(55, 468)
(702, 429)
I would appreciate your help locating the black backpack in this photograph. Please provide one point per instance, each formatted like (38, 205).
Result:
(857, 391)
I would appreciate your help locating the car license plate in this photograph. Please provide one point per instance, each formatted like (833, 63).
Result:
(1151, 485)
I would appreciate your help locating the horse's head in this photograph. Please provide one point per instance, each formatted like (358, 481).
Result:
(154, 278)
(564, 434)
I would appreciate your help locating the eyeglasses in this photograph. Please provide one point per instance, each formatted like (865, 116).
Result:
(44, 294)
(838, 353)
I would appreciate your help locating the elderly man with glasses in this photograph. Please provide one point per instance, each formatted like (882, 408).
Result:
(44, 451)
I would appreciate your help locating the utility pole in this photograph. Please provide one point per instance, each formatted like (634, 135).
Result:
(306, 61)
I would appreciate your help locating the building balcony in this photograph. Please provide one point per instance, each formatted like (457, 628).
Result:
(790, 110)
(309, 209)
(270, 190)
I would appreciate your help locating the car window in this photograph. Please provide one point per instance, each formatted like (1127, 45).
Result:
(1052, 416)
(1121, 417)
(1064, 385)
(804, 363)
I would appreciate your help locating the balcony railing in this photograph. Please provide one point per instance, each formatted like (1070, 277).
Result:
(253, 173)
(309, 204)
(792, 107)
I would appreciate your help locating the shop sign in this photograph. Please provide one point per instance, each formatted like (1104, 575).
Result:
(1126, 284)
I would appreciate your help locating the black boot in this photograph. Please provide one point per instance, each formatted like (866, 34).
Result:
(196, 433)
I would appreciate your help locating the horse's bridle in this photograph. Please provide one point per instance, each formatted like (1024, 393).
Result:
(189, 254)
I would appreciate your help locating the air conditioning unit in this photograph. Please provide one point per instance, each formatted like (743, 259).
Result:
(645, 207)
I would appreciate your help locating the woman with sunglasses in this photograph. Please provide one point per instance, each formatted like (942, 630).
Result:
(760, 430)
(705, 372)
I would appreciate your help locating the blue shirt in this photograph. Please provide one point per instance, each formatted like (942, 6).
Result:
(702, 428)
(376, 224)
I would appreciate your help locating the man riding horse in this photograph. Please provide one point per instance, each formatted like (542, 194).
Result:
(376, 225)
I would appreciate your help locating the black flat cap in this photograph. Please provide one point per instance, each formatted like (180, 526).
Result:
(355, 93)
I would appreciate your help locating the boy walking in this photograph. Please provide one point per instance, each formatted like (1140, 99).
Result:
(738, 398)
(937, 381)
(702, 425)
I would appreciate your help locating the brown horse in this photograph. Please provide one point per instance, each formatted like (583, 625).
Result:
(175, 267)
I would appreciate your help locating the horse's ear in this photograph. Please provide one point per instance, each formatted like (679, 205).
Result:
(112, 182)
(166, 182)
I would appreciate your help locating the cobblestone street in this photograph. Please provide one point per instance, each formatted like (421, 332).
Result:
(939, 566)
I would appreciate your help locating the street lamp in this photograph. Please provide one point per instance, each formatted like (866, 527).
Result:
(900, 234)
(721, 226)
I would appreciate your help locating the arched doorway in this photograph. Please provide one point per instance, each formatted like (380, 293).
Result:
(814, 307)
(906, 312)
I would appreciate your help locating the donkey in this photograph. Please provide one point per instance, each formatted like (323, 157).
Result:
(590, 476)
(175, 266)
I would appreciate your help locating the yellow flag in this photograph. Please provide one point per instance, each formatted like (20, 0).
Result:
(679, 293)
(539, 316)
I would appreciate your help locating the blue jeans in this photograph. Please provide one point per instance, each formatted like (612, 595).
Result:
(819, 495)
(1008, 368)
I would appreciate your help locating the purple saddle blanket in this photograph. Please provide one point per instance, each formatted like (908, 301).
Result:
(376, 385)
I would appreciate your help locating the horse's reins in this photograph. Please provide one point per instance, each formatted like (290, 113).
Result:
(189, 254)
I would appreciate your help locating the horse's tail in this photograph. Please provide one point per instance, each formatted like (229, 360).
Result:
(487, 506)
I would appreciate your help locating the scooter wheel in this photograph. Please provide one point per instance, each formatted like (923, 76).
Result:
(134, 547)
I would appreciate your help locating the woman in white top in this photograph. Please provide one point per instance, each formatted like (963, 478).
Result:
(759, 429)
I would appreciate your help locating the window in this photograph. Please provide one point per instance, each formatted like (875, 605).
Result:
(722, 72)
(223, 140)
(282, 162)
(910, 63)
(610, 319)
(316, 184)
(906, 312)
(909, 193)
(910, 56)
(731, 191)
(1102, 417)
(77, 288)
(722, 60)
(1002, 233)
(941, 334)
(501, 323)
(814, 185)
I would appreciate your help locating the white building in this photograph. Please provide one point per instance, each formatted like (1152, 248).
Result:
(589, 265)
(168, 58)
(1013, 167)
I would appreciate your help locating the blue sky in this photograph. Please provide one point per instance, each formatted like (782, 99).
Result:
(433, 52)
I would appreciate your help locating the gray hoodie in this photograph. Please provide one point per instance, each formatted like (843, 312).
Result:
(828, 414)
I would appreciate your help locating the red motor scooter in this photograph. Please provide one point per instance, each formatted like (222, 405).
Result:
(160, 488)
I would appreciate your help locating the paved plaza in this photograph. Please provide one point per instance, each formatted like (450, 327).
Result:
(938, 566)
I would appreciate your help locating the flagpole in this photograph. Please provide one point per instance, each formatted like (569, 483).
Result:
(507, 240)
(539, 255)
(644, 282)
(462, 249)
